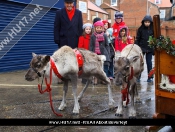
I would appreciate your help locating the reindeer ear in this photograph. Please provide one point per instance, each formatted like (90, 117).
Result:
(33, 54)
(47, 58)
(134, 59)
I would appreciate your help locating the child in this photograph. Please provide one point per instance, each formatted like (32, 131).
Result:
(122, 39)
(144, 31)
(120, 42)
(108, 31)
(118, 23)
(85, 39)
(99, 44)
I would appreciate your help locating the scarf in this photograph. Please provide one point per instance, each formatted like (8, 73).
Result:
(87, 36)
(70, 13)
(99, 38)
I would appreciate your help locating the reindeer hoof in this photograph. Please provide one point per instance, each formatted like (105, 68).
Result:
(132, 117)
(75, 114)
(119, 115)
(79, 99)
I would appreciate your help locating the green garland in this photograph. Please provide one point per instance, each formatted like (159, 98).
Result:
(162, 43)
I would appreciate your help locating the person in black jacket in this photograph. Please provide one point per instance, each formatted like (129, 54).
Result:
(144, 31)
(68, 25)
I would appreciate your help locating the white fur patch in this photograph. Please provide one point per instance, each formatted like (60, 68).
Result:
(102, 57)
(166, 84)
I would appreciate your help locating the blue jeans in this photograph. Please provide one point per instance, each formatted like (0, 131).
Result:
(109, 70)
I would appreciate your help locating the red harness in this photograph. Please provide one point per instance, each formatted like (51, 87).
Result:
(79, 60)
(54, 68)
(124, 91)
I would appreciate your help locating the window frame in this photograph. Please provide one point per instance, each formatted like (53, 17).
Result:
(114, 4)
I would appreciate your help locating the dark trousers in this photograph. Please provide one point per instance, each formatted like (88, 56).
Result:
(105, 68)
(148, 57)
(109, 70)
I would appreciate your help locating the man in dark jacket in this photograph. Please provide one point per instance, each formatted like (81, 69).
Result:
(68, 25)
(144, 31)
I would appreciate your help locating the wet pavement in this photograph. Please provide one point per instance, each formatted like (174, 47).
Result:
(21, 99)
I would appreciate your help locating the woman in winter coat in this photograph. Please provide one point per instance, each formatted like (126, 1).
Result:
(144, 31)
(99, 44)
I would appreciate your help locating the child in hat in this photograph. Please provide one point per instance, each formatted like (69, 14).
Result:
(118, 23)
(85, 38)
(122, 39)
(99, 44)
(144, 31)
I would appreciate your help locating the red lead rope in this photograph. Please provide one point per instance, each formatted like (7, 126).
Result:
(53, 67)
(48, 89)
(125, 95)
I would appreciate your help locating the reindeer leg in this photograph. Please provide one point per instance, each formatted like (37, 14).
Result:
(119, 111)
(137, 97)
(84, 89)
(74, 81)
(63, 102)
(132, 111)
(111, 101)
(102, 76)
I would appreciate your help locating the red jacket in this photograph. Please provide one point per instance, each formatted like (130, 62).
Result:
(84, 41)
(119, 45)
(116, 27)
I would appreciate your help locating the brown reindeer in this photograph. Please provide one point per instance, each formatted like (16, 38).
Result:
(67, 65)
(128, 66)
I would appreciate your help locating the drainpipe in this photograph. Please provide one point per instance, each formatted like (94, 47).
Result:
(147, 7)
(173, 3)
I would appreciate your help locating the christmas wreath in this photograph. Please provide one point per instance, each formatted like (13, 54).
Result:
(162, 43)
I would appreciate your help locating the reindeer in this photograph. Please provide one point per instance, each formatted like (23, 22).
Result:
(128, 67)
(66, 63)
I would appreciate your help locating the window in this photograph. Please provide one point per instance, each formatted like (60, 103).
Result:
(157, 1)
(113, 2)
(98, 2)
(104, 16)
(162, 14)
(96, 14)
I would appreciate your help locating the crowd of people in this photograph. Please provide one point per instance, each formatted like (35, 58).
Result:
(99, 37)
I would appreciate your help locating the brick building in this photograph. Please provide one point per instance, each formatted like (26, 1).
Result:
(92, 11)
(133, 11)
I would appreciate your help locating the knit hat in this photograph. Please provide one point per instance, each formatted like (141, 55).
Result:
(69, 0)
(96, 19)
(87, 25)
(98, 23)
(118, 15)
(106, 21)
